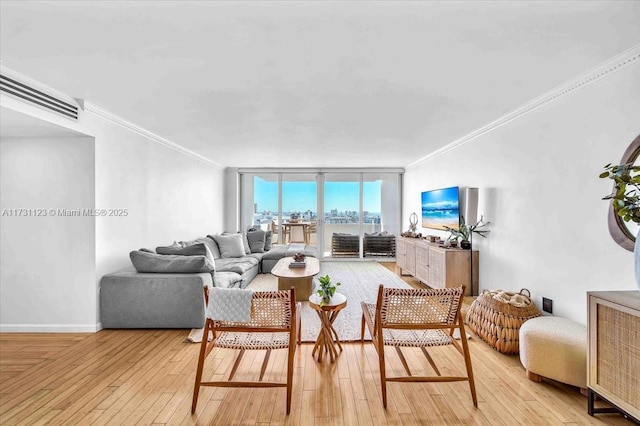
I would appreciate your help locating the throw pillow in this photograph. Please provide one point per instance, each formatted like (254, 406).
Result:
(159, 263)
(256, 241)
(213, 246)
(230, 245)
(245, 241)
(267, 241)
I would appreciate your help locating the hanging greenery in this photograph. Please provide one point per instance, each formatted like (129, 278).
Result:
(625, 197)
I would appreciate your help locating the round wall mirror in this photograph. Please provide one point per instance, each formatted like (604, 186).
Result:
(622, 232)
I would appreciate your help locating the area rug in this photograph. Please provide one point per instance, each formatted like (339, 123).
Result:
(359, 282)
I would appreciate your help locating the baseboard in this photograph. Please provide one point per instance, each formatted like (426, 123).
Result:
(50, 328)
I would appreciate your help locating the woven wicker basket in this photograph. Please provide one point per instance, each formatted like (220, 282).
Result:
(498, 323)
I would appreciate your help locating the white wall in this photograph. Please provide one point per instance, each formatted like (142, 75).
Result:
(167, 194)
(539, 186)
(47, 260)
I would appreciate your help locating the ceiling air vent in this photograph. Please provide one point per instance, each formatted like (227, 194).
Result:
(37, 97)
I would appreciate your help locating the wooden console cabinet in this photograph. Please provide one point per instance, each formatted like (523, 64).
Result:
(435, 266)
(613, 358)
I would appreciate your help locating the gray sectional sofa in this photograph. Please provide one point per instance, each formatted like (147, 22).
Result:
(164, 289)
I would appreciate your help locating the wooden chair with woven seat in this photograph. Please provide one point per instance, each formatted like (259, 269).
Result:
(418, 318)
(275, 324)
(312, 228)
(274, 232)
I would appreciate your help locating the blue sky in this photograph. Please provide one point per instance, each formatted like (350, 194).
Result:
(301, 196)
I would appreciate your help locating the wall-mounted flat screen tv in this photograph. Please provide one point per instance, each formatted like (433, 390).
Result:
(440, 208)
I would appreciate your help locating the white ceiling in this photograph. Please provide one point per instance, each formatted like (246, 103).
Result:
(311, 84)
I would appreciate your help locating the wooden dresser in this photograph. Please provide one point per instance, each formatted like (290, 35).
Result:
(436, 266)
(613, 357)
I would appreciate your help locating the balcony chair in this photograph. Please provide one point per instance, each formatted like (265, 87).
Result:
(379, 244)
(312, 228)
(418, 318)
(274, 232)
(345, 245)
(274, 324)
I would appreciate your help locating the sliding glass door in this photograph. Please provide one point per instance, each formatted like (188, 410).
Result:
(299, 208)
(342, 215)
(260, 202)
(362, 214)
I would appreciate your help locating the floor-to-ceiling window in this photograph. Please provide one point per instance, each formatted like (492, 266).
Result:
(334, 211)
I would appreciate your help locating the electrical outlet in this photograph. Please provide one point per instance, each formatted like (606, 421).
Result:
(547, 305)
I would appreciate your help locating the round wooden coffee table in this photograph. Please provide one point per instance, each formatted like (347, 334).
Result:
(327, 337)
(300, 278)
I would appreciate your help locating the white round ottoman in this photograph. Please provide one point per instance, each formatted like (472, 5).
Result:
(555, 348)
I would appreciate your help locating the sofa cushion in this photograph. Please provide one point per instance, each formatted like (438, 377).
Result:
(159, 263)
(226, 279)
(230, 245)
(256, 241)
(173, 246)
(236, 264)
(276, 253)
(257, 256)
(199, 249)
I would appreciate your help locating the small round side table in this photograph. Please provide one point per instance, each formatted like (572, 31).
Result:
(327, 338)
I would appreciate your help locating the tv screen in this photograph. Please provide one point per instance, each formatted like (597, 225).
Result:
(440, 208)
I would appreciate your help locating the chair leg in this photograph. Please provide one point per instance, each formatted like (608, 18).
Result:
(290, 359)
(383, 373)
(201, 357)
(264, 364)
(236, 364)
(362, 329)
(403, 361)
(431, 361)
(467, 361)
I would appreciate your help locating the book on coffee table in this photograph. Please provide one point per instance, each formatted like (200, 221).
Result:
(295, 264)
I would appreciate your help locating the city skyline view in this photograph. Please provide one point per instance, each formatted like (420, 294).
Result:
(302, 196)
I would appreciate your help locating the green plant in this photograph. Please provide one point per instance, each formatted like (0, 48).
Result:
(625, 197)
(327, 289)
(464, 231)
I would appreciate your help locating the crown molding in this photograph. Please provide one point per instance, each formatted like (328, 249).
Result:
(605, 69)
(115, 119)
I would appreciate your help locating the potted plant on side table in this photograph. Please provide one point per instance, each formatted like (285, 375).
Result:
(327, 289)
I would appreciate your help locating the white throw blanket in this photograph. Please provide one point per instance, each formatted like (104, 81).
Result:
(227, 304)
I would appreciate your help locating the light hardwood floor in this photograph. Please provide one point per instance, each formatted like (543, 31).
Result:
(127, 377)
